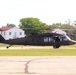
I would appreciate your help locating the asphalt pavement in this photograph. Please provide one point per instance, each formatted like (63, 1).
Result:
(38, 65)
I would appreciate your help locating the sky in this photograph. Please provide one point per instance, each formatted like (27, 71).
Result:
(48, 11)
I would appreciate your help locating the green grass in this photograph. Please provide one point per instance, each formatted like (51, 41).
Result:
(42, 51)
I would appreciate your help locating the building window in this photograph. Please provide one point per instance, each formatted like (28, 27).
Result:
(1, 32)
(9, 33)
(20, 33)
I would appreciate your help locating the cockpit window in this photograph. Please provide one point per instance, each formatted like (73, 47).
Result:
(66, 38)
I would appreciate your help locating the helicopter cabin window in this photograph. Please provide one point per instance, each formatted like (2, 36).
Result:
(45, 39)
(48, 39)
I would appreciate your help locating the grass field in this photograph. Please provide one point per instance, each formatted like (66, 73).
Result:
(40, 51)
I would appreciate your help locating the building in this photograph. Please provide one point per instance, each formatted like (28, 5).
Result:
(11, 32)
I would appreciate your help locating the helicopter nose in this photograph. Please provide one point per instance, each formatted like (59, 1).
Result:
(72, 42)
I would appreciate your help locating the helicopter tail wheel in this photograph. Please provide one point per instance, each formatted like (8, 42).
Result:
(8, 46)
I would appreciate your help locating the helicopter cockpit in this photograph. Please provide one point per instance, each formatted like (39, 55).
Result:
(67, 40)
(62, 40)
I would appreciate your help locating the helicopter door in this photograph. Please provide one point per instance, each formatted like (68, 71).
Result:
(56, 42)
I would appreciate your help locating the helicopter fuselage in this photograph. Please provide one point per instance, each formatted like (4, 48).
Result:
(42, 39)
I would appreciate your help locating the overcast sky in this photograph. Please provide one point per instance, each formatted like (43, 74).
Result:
(48, 11)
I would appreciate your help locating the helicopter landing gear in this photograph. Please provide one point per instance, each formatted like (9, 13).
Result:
(55, 46)
(8, 46)
(56, 42)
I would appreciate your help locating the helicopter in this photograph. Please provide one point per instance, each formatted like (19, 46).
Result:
(40, 39)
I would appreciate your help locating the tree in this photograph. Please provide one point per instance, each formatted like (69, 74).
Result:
(70, 30)
(10, 25)
(67, 26)
(75, 23)
(55, 25)
(32, 25)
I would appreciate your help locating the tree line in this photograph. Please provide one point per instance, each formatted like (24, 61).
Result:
(34, 25)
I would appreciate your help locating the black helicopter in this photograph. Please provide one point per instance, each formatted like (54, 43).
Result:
(40, 39)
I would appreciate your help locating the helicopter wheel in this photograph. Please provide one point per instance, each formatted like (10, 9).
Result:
(56, 46)
(8, 46)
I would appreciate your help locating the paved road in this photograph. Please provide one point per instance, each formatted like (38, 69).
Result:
(38, 65)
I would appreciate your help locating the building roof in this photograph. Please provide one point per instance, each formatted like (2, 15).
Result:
(5, 28)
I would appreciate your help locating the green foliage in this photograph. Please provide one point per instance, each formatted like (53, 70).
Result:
(75, 23)
(10, 25)
(70, 30)
(55, 25)
(32, 25)
(72, 34)
(66, 26)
